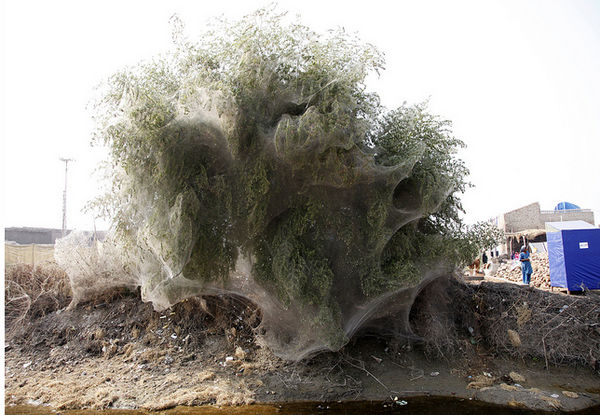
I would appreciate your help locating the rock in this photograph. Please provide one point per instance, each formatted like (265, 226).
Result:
(480, 382)
(110, 349)
(99, 334)
(517, 377)
(514, 337)
(239, 353)
(571, 395)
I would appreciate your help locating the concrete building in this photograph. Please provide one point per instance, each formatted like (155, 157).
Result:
(24, 236)
(528, 224)
(34, 245)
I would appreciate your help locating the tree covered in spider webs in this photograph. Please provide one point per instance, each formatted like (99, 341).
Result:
(258, 151)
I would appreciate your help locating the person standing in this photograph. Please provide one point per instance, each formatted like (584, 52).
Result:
(526, 268)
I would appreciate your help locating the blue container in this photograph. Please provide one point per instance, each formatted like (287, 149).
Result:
(574, 255)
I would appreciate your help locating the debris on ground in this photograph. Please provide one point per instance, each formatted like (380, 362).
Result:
(511, 271)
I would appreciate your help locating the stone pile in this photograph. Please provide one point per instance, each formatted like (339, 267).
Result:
(540, 278)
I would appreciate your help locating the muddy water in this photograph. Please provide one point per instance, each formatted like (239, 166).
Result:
(413, 406)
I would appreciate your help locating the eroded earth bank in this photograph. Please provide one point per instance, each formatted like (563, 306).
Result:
(495, 342)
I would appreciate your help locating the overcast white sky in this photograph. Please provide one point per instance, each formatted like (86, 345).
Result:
(520, 79)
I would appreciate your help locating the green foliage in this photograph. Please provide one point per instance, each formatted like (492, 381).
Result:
(261, 141)
(484, 236)
(412, 138)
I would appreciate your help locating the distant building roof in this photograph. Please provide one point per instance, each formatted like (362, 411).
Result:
(41, 236)
(24, 236)
(566, 206)
(568, 225)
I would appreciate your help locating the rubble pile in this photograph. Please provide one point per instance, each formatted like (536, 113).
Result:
(541, 271)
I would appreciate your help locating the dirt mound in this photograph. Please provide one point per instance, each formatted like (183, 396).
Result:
(100, 353)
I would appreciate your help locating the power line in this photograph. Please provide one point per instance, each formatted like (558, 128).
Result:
(64, 218)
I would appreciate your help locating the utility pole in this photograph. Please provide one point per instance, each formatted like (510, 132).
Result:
(64, 218)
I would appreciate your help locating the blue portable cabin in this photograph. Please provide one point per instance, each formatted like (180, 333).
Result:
(573, 255)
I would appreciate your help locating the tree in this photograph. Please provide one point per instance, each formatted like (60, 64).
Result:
(258, 151)
(484, 236)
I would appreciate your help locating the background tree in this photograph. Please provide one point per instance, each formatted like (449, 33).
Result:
(258, 152)
(484, 236)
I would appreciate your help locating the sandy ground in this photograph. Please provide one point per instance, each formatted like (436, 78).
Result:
(124, 355)
(366, 372)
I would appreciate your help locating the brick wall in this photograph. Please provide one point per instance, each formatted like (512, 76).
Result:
(527, 217)
(531, 217)
(585, 215)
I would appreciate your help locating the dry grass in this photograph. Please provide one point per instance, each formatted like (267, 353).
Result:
(555, 328)
(442, 315)
(525, 323)
(31, 292)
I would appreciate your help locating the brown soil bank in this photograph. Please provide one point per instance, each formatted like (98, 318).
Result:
(494, 342)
